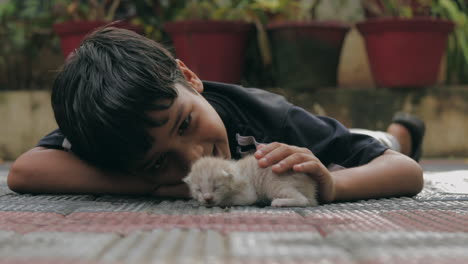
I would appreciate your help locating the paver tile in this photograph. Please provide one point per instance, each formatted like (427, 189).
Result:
(431, 227)
(80, 246)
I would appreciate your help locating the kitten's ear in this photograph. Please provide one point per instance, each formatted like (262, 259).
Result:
(227, 174)
(187, 179)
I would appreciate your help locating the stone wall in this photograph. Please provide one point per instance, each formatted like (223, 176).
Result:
(442, 108)
(27, 116)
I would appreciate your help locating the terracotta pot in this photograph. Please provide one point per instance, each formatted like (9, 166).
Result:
(214, 50)
(405, 52)
(71, 33)
(306, 54)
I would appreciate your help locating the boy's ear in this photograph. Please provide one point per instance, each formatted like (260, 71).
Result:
(190, 76)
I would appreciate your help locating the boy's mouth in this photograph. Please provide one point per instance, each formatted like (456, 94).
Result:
(215, 151)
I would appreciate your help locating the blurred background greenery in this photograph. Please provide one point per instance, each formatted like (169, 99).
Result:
(30, 50)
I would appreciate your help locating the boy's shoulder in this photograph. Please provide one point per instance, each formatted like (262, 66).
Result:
(251, 100)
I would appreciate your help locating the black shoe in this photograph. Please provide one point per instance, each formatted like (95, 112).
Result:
(416, 128)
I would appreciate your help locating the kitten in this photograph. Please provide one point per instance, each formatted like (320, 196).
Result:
(216, 181)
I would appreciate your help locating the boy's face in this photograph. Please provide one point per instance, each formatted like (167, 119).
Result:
(193, 130)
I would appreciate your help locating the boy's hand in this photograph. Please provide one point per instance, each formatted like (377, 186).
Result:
(283, 157)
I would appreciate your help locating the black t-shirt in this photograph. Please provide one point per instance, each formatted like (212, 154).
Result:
(253, 116)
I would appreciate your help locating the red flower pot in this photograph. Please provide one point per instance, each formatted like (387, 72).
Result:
(214, 50)
(73, 32)
(405, 52)
(306, 54)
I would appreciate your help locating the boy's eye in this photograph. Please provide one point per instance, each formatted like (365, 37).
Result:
(185, 124)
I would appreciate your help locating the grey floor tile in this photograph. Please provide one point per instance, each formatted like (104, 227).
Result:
(61, 245)
(402, 246)
(285, 246)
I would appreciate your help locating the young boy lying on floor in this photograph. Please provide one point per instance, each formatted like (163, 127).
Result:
(132, 119)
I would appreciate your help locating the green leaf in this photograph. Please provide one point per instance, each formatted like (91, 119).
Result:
(7, 9)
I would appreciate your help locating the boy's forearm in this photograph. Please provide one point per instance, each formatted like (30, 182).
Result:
(389, 175)
(53, 171)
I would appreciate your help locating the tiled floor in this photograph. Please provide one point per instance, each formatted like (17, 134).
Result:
(429, 228)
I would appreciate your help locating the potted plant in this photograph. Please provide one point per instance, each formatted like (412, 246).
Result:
(26, 37)
(306, 51)
(210, 36)
(457, 50)
(404, 42)
(77, 18)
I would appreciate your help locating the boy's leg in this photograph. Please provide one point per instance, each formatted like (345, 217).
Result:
(385, 138)
(405, 134)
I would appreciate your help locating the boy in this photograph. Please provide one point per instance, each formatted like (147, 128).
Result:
(135, 119)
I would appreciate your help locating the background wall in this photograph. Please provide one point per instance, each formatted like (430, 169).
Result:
(27, 115)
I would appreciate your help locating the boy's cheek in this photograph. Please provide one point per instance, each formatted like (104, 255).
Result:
(173, 191)
(169, 176)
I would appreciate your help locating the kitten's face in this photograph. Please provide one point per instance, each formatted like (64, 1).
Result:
(211, 181)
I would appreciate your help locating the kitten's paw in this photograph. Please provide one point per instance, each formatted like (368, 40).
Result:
(283, 202)
(277, 203)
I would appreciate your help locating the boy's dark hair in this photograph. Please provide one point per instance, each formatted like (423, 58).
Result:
(102, 95)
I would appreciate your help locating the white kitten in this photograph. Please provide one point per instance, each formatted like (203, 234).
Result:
(216, 181)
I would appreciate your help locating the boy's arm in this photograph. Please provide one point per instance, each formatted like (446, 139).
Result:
(42, 170)
(391, 174)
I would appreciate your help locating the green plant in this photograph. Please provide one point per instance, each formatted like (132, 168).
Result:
(25, 31)
(214, 10)
(398, 8)
(457, 50)
(297, 10)
(291, 10)
(90, 10)
(152, 14)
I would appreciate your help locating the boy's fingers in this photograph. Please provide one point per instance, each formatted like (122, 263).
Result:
(258, 153)
(276, 152)
(291, 160)
(274, 156)
(321, 175)
(264, 149)
(311, 167)
(172, 191)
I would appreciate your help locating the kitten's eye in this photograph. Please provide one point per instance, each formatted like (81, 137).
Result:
(185, 124)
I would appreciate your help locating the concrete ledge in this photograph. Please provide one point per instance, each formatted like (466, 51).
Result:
(442, 108)
(27, 116)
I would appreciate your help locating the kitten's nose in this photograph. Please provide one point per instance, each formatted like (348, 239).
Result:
(208, 197)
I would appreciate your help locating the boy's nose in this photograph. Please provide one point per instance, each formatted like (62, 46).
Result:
(196, 152)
